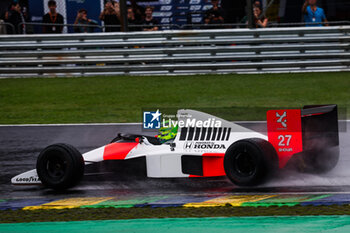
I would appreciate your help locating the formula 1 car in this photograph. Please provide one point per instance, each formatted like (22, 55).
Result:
(207, 146)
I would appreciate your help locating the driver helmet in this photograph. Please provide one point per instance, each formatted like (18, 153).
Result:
(167, 133)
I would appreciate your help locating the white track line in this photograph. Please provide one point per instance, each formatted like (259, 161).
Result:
(115, 124)
(70, 124)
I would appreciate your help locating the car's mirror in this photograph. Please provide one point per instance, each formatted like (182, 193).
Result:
(172, 146)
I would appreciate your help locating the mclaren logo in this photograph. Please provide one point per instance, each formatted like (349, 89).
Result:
(203, 146)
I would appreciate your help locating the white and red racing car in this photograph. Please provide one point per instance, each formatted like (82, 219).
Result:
(207, 146)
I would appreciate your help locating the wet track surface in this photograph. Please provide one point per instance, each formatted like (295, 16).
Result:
(20, 146)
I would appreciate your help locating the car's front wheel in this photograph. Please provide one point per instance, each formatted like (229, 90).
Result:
(60, 166)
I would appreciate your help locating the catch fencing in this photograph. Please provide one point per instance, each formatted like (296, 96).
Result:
(172, 52)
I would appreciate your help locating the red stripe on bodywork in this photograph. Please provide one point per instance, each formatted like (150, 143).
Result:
(313, 114)
(118, 150)
(214, 154)
(213, 165)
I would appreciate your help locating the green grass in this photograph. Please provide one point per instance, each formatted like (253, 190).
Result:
(78, 214)
(121, 99)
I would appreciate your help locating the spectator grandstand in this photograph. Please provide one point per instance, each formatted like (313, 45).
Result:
(29, 16)
(226, 47)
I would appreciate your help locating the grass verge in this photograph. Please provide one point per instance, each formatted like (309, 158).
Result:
(12, 216)
(121, 99)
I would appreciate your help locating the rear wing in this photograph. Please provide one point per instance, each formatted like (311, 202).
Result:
(320, 126)
(291, 131)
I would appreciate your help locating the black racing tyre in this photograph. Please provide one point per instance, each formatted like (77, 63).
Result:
(319, 161)
(60, 166)
(249, 162)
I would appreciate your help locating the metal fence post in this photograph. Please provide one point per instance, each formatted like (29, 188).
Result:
(249, 10)
(123, 15)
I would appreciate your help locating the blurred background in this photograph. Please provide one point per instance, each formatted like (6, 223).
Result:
(176, 14)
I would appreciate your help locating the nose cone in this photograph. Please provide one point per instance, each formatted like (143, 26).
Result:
(118, 150)
(30, 177)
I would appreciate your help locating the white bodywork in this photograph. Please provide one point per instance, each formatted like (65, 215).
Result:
(164, 161)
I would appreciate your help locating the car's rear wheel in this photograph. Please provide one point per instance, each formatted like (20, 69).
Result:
(60, 166)
(249, 162)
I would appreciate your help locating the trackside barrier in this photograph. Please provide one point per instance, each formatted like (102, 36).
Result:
(170, 52)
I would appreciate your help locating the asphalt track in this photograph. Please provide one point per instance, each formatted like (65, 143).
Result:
(20, 146)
